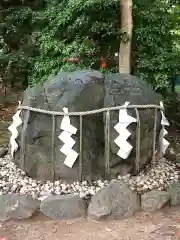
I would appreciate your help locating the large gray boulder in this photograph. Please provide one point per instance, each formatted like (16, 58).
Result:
(81, 91)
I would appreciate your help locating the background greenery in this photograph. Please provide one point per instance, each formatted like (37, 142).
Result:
(38, 36)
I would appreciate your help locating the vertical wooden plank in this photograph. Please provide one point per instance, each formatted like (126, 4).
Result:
(138, 141)
(80, 149)
(23, 138)
(154, 138)
(53, 143)
(107, 143)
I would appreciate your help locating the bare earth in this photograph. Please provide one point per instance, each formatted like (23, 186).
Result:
(161, 225)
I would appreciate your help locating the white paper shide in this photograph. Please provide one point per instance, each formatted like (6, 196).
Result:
(162, 141)
(69, 142)
(14, 132)
(121, 127)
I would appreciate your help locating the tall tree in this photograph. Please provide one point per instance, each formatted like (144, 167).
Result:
(126, 28)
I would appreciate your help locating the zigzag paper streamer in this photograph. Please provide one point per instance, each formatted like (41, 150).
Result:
(68, 141)
(124, 121)
(14, 132)
(163, 142)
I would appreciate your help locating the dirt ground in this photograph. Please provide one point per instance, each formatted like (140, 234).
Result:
(162, 225)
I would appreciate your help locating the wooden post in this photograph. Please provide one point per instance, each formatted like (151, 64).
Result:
(53, 142)
(107, 142)
(80, 150)
(23, 138)
(138, 140)
(154, 137)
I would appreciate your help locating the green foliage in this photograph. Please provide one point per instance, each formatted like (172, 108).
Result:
(89, 29)
(84, 29)
(38, 39)
(16, 46)
(158, 54)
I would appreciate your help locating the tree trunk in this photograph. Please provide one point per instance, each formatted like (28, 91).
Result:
(127, 27)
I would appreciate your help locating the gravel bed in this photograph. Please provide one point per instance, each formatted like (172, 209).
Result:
(14, 180)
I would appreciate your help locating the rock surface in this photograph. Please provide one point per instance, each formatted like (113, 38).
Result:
(78, 91)
(115, 200)
(63, 207)
(174, 192)
(3, 151)
(81, 91)
(154, 200)
(14, 206)
(121, 88)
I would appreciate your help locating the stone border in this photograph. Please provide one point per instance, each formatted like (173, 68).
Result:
(116, 201)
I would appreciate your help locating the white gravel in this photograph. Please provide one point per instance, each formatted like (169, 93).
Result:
(14, 180)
